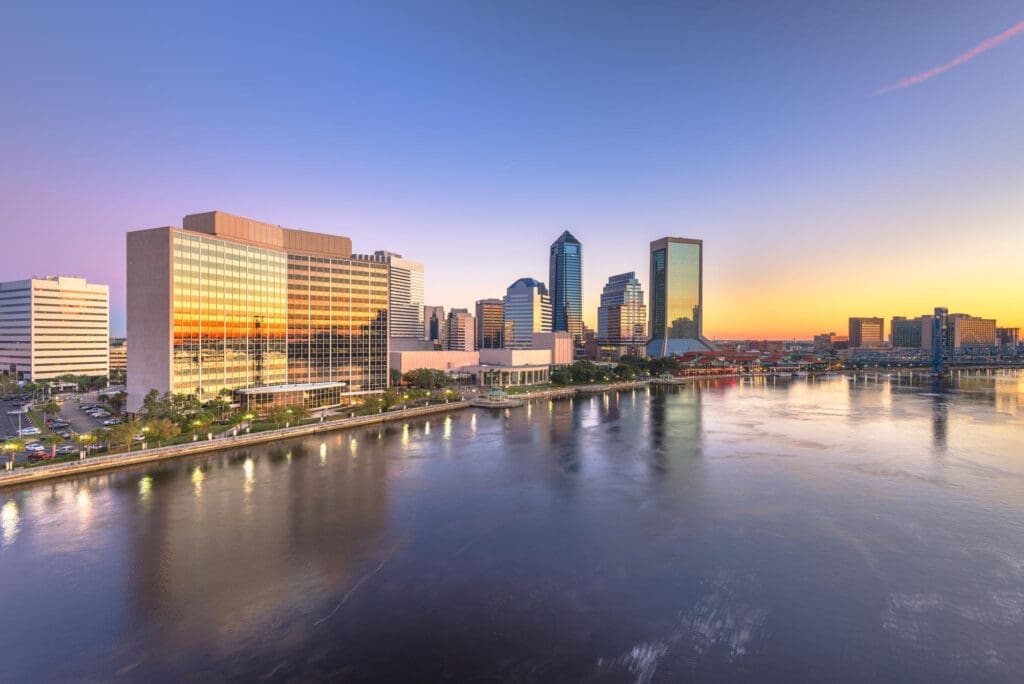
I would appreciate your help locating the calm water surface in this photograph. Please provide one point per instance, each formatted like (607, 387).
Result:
(840, 530)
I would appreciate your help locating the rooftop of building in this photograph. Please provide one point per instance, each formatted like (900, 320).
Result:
(296, 387)
(529, 282)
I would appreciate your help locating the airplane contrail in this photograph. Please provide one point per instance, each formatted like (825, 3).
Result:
(984, 46)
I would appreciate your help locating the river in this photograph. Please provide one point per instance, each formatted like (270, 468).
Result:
(840, 530)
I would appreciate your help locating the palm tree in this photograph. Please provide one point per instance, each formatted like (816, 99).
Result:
(52, 441)
(13, 446)
(50, 408)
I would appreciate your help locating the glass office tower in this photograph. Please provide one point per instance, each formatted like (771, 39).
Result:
(621, 318)
(566, 278)
(490, 324)
(229, 303)
(527, 310)
(676, 297)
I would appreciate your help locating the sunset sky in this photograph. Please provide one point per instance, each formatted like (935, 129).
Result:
(837, 158)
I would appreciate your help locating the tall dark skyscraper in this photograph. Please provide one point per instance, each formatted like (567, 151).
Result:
(676, 297)
(566, 278)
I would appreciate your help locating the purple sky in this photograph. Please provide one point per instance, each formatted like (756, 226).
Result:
(468, 138)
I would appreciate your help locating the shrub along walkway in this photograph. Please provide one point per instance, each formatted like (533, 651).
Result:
(25, 475)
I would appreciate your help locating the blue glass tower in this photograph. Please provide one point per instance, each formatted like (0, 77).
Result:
(566, 278)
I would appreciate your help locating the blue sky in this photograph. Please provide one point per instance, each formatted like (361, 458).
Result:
(468, 136)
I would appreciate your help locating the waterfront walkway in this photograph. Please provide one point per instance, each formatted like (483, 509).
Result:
(20, 476)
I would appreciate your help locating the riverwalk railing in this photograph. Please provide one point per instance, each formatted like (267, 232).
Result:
(23, 475)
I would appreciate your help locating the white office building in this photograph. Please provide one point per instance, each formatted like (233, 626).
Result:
(54, 326)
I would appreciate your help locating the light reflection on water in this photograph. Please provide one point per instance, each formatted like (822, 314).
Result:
(741, 530)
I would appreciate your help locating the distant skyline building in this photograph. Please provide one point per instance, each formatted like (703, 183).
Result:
(405, 297)
(1008, 337)
(54, 326)
(490, 324)
(434, 325)
(866, 332)
(461, 331)
(274, 315)
(565, 273)
(118, 354)
(527, 310)
(971, 331)
(908, 333)
(676, 297)
(622, 318)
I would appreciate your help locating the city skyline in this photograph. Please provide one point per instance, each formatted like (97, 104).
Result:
(879, 179)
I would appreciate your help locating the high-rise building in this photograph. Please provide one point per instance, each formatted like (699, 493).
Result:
(527, 310)
(461, 331)
(490, 324)
(866, 332)
(1008, 337)
(405, 298)
(909, 333)
(971, 331)
(434, 326)
(566, 278)
(622, 318)
(54, 326)
(676, 297)
(278, 316)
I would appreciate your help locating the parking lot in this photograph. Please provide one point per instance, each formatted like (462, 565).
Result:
(71, 411)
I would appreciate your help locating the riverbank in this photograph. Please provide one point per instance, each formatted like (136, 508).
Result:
(21, 476)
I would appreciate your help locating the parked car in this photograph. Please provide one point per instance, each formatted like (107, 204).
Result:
(25, 432)
(67, 450)
(112, 421)
(35, 448)
(140, 437)
(66, 434)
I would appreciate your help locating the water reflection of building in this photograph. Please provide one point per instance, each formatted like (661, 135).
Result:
(229, 545)
(676, 297)
(940, 416)
(676, 429)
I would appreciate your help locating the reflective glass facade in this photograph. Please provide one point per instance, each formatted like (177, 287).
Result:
(229, 315)
(676, 292)
(231, 303)
(566, 278)
(527, 310)
(337, 322)
(490, 324)
(622, 316)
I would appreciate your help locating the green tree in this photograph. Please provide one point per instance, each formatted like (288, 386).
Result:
(426, 378)
(123, 434)
(101, 437)
(115, 402)
(395, 377)
(561, 376)
(278, 416)
(161, 430)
